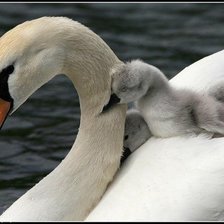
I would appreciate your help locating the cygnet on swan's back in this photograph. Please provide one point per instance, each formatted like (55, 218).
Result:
(136, 132)
(168, 111)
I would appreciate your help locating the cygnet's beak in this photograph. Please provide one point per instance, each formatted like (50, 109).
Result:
(126, 154)
(114, 99)
(5, 108)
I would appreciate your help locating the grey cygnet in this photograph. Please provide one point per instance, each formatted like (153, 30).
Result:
(168, 111)
(136, 132)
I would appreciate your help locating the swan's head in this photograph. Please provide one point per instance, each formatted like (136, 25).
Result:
(34, 52)
(130, 82)
(28, 59)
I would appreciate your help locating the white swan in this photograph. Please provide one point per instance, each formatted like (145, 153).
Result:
(174, 179)
(31, 54)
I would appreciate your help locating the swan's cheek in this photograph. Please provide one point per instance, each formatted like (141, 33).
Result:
(18, 90)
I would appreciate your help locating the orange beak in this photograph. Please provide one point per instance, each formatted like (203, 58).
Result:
(5, 107)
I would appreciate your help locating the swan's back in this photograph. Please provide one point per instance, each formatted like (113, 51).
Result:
(160, 182)
(174, 179)
(202, 74)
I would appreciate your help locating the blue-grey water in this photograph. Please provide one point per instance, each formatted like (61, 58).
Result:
(40, 133)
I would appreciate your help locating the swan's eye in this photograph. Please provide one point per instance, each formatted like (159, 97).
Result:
(7, 71)
(4, 89)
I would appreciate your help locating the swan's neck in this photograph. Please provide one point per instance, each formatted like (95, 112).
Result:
(95, 155)
(91, 163)
(76, 185)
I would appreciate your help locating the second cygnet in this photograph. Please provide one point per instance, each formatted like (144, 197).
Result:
(167, 111)
(136, 132)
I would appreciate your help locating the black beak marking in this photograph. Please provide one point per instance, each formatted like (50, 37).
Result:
(114, 99)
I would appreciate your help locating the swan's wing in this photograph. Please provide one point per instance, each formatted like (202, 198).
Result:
(202, 74)
(175, 179)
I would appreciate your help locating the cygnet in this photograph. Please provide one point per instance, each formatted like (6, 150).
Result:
(136, 132)
(168, 111)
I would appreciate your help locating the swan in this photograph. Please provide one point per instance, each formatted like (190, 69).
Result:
(172, 179)
(31, 54)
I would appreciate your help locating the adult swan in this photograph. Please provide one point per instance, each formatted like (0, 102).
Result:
(174, 179)
(30, 55)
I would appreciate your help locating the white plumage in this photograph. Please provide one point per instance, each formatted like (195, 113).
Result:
(41, 49)
(173, 179)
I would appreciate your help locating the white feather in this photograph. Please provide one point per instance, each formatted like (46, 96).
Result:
(173, 179)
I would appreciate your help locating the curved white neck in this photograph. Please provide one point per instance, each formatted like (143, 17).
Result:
(95, 155)
(71, 190)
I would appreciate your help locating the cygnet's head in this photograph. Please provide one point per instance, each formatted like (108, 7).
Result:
(136, 130)
(136, 133)
(130, 82)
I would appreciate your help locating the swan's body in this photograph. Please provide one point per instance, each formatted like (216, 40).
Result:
(173, 179)
(39, 50)
(168, 111)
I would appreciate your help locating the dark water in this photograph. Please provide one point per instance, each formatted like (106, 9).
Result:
(39, 135)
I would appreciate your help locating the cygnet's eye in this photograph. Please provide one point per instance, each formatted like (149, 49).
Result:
(126, 137)
(140, 85)
(123, 88)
